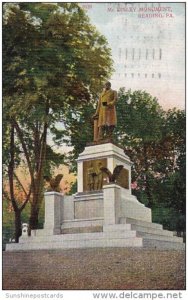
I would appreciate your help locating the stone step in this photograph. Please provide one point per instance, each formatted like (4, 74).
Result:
(151, 233)
(75, 230)
(42, 232)
(151, 230)
(110, 232)
(140, 229)
(159, 237)
(89, 196)
(121, 234)
(116, 227)
(162, 245)
(82, 223)
(141, 223)
(94, 243)
(68, 230)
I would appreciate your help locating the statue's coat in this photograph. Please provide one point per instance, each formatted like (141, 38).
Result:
(107, 114)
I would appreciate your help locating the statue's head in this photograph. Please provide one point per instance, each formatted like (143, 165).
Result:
(107, 85)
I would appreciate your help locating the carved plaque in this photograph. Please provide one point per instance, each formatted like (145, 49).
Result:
(93, 177)
(88, 209)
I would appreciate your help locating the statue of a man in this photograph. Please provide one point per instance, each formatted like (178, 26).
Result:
(105, 118)
(99, 177)
(91, 174)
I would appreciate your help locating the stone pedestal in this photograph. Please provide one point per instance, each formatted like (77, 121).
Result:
(109, 155)
(112, 201)
(53, 212)
(112, 204)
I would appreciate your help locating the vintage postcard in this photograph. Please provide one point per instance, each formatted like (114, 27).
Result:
(93, 150)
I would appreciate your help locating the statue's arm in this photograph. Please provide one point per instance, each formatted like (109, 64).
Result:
(113, 102)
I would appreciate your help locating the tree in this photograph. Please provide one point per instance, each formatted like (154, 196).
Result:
(54, 61)
(171, 190)
(17, 207)
(155, 141)
(139, 131)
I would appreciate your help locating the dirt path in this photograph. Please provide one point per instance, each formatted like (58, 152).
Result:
(94, 269)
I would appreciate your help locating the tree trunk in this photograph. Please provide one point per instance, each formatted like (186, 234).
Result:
(36, 204)
(33, 220)
(36, 201)
(18, 225)
(148, 193)
(147, 181)
(37, 194)
(17, 209)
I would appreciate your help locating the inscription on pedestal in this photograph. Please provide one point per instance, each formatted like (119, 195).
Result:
(88, 209)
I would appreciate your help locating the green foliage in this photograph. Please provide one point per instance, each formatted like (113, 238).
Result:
(8, 231)
(73, 189)
(41, 216)
(155, 141)
(50, 52)
(54, 63)
(169, 218)
(54, 51)
(8, 220)
(139, 117)
(79, 128)
(7, 224)
(53, 160)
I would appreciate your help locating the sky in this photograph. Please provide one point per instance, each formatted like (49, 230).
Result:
(148, 47)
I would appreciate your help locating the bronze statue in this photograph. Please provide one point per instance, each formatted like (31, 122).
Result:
(54, 183)
(105, 118)
(95, 176)
(112, 176)
(99, 177)
(91, 174)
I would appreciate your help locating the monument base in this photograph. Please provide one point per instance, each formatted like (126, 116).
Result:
(111, 218)
(128, 234)
(101, 214)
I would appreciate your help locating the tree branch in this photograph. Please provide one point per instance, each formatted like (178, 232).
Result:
(11, 168)
(27, 199)
(36, 137)
(43, 142)
(20, 135)
(20, 184)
